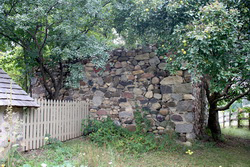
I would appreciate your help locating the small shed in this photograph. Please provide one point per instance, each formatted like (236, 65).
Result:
(13, 102)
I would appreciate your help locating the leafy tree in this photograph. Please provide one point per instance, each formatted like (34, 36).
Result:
(215, 49)
(56, 36)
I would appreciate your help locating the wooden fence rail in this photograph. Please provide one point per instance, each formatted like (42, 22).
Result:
(59, 119)
(229, 117)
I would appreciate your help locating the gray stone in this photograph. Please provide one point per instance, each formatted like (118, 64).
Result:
(166, 97)
(118, 71)
(151, 69)
(190, 136)
(117, 123)
(184, 128)
(146, 49)
(184, 106)
(154, 61)
(182, 88)
(137, 91)
(162, 66)
(150, 87)
(141, 63)
(155, 80)
(176, 118)
(123, 58)
(98, 98)
(142, 57)
(163, 124)
(165, 89)
(153, 100)
(171, 104)
(126, 115)
(157, 96)
(172, 80)
(189, 117)
(100, 81)
(149, 94)
(97, 101)
(126, 83)
(157, 91)
(177, 97)
(123, 78)
(116, 80)
(152, 54)
(156, 106)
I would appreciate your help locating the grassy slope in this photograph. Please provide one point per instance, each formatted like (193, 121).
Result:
(82, 152)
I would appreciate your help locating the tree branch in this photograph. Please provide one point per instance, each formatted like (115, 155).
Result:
(12, 39)
(232, 101)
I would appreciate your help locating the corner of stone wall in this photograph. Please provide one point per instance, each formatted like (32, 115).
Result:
(6, 139)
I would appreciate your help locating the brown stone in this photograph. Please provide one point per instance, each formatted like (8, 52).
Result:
(172, 80)
(101, 112)
(118, 65)
(131, 128)
(82, 83)
(131, 77)
(128, 95)
(155, 80)
(147, 75)
(164, 111)
(138, 72)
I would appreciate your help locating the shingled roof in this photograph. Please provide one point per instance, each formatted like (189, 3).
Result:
(8, 88)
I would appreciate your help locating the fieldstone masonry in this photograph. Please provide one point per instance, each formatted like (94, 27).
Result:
(138, 78)
(5, 137)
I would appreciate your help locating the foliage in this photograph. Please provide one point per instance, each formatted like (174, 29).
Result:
(15, 66)
(206, 44)
(106, 133)
(55, 36)
(152, 21)
(142, 123)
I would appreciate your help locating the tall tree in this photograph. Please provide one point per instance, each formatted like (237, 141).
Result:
(55, 36)
(215, 49)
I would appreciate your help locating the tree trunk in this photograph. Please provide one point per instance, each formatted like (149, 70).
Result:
(213, 123)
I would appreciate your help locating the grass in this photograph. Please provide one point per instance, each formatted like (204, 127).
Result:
(234, 152)
(236, 132)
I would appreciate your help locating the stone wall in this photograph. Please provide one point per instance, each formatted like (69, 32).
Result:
(5, 137)
(138, 78)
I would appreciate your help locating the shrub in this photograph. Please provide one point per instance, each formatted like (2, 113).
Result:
(106, 133)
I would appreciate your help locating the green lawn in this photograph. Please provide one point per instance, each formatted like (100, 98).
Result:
(83, 152)
(242, 133)
(234, 152)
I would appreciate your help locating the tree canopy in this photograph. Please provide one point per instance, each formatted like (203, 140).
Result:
(55, 37)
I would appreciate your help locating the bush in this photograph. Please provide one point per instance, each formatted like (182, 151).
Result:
(106, 133)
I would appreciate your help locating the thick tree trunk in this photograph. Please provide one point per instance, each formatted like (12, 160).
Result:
(213, 123)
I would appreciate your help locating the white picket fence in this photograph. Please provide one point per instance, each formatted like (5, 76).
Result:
(58, 118)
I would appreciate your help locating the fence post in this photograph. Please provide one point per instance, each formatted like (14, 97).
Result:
(223, 116)
(230, 118)
(238, 114)
(249, 120)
